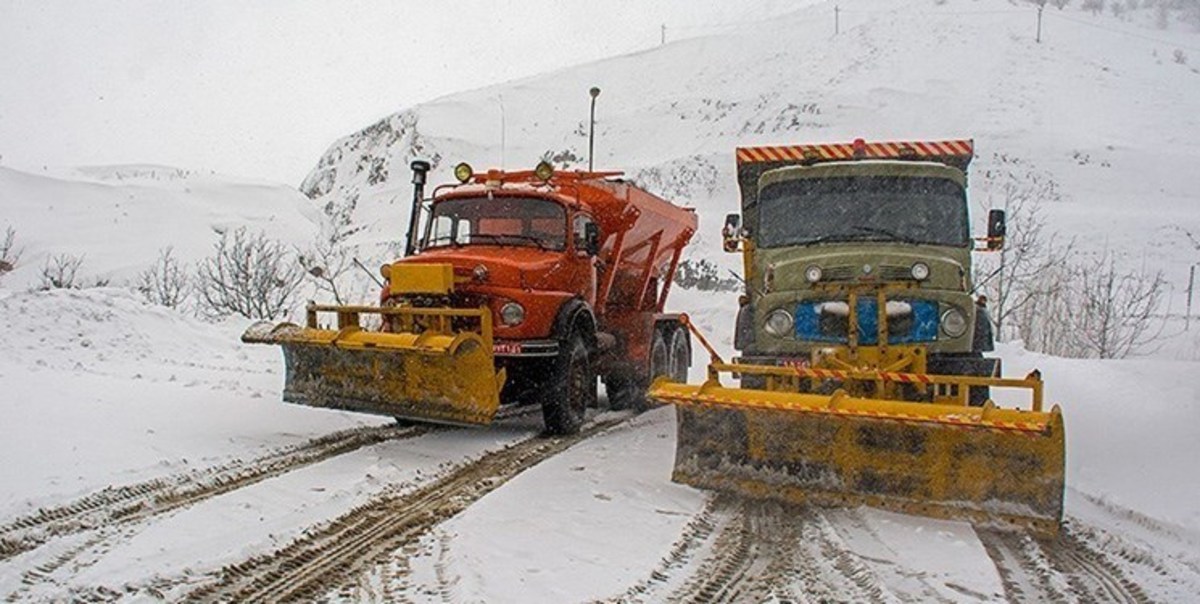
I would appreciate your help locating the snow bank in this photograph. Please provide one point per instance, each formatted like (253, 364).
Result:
(101, 389)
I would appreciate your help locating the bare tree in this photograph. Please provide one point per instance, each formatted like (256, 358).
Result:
(9, 254)
(61, 271)
(248, 275)
(1115, 311)
(1010, 278)
(166, 282)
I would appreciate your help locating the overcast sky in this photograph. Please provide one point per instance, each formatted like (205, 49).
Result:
(261, 89)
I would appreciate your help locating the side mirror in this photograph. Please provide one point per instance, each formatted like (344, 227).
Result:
(591, 238)
(730, 232)
(996, 230)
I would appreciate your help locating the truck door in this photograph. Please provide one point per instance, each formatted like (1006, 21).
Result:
(583, 264)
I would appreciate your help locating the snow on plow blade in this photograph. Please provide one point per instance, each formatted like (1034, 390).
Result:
(433, 368)
(990, 466)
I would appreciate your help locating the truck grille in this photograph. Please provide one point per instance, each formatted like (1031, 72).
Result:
(828, 321)
(883, 273)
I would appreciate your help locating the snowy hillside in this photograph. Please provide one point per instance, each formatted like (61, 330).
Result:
(118, 218)
(1098, 107)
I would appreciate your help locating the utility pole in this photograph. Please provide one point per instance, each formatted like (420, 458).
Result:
(1041, 7)
(1187, 325)
(836, 24)
(595, 92)
(664, 35)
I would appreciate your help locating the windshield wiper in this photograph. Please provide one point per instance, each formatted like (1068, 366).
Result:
(888, 233)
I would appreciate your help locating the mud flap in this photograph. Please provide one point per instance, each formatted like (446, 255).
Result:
(432, 377)
(998, 467)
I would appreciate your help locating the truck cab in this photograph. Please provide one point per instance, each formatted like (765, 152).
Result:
(860, 249)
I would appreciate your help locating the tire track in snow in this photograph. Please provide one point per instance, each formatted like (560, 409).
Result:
(1024, 570)
(696, 533)
(842, 572)
(122, 504)
(734, 550)
(740, 550)
(320, 562)
(1066, 569)
(1163, 569)
(1089, 572)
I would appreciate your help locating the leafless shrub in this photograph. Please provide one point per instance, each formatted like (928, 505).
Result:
(166, 282)
(1060, 4)
(705, 276)
(1093, 6)
(1115, 311)
(327, 264)
(1162, 15)
(61, 271)
(1180, 57)
(9, 254)
(1043, 323)
(248, 275)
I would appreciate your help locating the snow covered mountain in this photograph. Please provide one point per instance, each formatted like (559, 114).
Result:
(1099, 108)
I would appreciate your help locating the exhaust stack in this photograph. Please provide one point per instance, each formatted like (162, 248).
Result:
(420, 170)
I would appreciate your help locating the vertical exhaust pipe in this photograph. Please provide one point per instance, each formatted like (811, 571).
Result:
(420, 169)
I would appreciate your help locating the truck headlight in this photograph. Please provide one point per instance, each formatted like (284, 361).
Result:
(512, 314)
(779, 323)
(920, 271)
(813, 273)
(954, 323)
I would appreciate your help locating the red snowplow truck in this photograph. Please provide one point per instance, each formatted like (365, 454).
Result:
(515, 287)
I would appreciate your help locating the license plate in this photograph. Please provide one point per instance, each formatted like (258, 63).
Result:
(506, 348)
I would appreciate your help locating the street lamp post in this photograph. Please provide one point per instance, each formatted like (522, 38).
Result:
(595, 92)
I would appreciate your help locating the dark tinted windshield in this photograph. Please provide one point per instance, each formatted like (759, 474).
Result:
(528, 221)
(863, 208)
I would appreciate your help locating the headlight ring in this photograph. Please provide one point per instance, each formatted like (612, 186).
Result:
(512, 314)
(779, 323)
(954, 323)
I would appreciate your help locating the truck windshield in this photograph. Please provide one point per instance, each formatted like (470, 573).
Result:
(525, 221)
(863, 208)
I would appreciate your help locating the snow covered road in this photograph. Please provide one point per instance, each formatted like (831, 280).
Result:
(150, 457)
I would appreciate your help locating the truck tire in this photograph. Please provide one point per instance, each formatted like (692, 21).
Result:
(571, 390)
(670, 351)
(679, 355)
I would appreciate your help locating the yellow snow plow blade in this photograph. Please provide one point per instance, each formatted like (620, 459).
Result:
(435, 364)
(991, 466)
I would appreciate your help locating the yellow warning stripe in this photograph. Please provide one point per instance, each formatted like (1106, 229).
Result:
(1022, 428)
(872, 150)
(839, 374)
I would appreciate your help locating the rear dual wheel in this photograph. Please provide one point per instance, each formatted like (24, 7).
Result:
(670, 353)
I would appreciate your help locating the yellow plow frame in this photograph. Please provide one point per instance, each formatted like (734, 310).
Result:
(992, 466)
(434, 364)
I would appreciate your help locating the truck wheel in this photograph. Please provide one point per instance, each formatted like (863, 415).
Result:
(679, 354)
(572, 389)
(629, 391)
